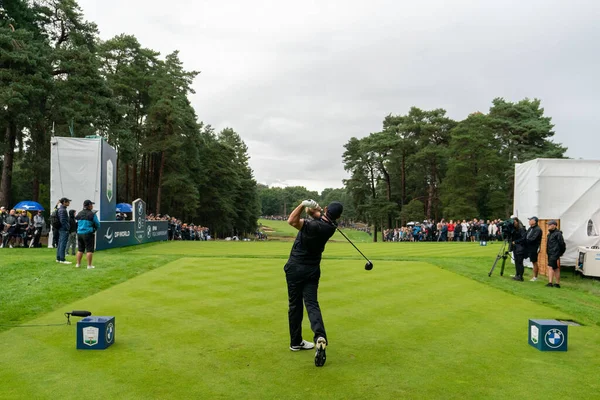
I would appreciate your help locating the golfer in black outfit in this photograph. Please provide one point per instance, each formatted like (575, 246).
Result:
(303, 271)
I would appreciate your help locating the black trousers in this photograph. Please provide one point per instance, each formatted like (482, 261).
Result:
(303, 284)
(519, 267)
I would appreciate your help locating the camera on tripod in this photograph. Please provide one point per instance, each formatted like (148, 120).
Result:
(508, 228)
(508, 231)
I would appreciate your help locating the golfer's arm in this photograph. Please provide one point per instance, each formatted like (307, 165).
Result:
(294, 218)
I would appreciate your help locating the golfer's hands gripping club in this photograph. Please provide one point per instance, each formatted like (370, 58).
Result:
(310, 204)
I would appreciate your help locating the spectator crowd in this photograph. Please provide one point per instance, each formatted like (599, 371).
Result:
(475, 230)
(179, 230)
(18, 228)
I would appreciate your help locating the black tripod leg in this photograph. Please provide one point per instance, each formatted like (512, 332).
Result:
(494, 266)
(503, 264)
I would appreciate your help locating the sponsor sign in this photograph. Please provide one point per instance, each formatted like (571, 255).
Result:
(139, 217)
(90, 335)
(123, 233)
(108, 179)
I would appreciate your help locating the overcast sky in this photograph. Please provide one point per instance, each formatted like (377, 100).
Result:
(298, 79)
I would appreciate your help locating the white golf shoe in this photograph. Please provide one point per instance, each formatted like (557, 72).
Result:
(303, 346)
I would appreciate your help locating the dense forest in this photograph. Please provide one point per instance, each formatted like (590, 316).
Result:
(58, 78)
(424, 165)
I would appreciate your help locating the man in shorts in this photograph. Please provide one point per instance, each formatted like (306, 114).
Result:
(87, 225)
(555, 248)
(533, 241)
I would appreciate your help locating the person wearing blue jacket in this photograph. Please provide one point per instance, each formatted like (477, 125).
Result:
(87, 225)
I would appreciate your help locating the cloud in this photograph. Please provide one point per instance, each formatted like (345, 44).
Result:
(298, 80)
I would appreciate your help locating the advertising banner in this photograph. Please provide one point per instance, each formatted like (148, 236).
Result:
(123, 233)
(108, 183)
(139, 218)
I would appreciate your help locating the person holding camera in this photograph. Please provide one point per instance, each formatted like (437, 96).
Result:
(555, 248)
(87, 225)
(519, 245)
(534, 240)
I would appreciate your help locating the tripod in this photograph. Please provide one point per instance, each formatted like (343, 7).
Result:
(503, 254)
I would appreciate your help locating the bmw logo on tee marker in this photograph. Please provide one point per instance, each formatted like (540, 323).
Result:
(554, 338)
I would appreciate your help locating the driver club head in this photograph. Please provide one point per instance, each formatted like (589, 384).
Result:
(369, 266)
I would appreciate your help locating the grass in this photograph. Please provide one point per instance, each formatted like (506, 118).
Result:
(209, 320)
(281, 229)
(33, 284)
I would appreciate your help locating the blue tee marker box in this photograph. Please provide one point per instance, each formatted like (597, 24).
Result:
(548, 334)
(95, 333)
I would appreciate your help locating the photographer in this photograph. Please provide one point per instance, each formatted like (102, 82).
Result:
(519, 242)
(534, 240)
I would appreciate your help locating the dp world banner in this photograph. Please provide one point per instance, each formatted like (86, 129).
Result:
(114, 234)
(108, 183)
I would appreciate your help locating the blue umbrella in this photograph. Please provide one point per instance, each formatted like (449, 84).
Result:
(124, 207)
(29, 206)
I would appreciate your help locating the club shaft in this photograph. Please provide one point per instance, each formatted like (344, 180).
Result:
(350, 241)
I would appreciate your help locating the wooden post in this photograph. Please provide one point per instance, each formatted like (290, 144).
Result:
(543, 256)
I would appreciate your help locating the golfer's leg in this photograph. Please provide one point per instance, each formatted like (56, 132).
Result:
(312, 307)
(295, 311)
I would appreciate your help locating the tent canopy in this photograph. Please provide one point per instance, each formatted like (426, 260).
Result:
(562, 189)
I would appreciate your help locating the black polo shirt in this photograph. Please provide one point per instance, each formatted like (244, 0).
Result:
(310, 242)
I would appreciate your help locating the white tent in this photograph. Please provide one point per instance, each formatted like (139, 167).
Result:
(568, 190)
(84, 169)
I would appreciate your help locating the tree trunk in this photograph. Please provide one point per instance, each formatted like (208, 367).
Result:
(375, 229)
(7, 167)
(403, 177)
(389, 195)
(36, 189)
(126, 182)
(429, 200)
(135, 180)
(160, 175)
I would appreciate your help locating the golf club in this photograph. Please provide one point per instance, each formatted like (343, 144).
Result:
(369, 264)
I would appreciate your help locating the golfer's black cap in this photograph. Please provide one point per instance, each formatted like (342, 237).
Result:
(334, 210)
(88, 203)
(552, 222)
(64, 200)
(534, 218)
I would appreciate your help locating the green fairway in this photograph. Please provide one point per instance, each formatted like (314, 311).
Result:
(281, 229)
(208, 320)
